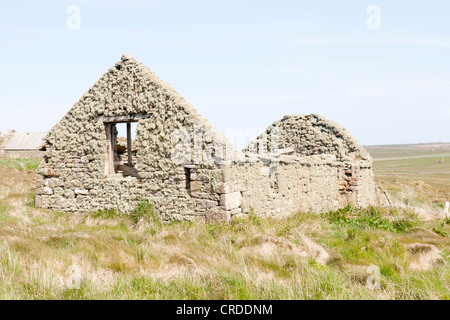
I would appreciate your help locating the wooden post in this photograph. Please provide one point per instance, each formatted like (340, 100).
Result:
(129, 145)
(110, 136)
(387, 197)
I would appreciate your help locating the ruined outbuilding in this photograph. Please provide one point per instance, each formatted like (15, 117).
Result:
(22, 144)
(184, 166)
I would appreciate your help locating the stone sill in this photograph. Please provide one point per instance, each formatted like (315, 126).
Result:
(119, 176)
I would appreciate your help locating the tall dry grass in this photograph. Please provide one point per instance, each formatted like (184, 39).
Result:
(109, 255)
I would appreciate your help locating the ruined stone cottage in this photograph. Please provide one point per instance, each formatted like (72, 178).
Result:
(184, 166)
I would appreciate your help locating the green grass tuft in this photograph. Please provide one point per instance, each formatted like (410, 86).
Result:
(21, 164)
(370, 218)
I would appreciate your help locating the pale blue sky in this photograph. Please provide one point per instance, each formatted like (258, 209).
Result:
(242, 64)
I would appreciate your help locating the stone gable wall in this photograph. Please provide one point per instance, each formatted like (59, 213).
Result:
(72, 176)
(311, 135)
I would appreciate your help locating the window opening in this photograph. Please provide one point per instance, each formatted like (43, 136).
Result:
(121, 149)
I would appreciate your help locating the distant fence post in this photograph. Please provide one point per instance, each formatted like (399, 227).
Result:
(387, 197)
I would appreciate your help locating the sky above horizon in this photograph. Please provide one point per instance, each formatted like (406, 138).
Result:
(242, 64)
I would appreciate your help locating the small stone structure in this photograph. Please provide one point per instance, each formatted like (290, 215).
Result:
(184, 166)
(21, 144)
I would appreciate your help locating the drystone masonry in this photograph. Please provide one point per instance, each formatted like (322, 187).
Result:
(184, 166)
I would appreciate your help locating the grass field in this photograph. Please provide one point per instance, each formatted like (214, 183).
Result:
(411, 172)
(108, 255)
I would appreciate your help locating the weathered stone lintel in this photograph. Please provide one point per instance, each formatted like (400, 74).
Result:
(134, 117)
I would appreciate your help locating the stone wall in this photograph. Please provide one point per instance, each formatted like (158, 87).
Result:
(186, 168)
(4, 137)
(308, 183)
(22, 154)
